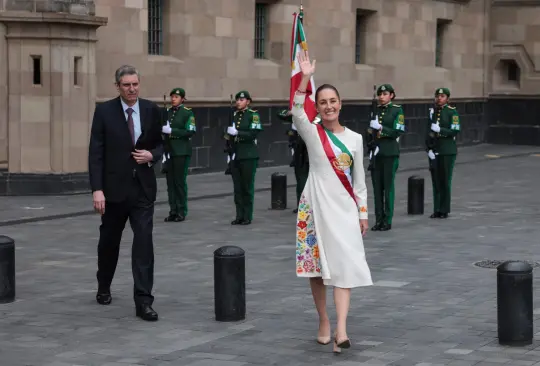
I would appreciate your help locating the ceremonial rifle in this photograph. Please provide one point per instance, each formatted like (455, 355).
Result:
(372, 134)
(431, 142)
(164, 118)
(229, 144)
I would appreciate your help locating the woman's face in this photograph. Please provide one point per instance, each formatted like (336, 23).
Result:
(328, 105)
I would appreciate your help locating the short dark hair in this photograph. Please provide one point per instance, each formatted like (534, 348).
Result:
(323, 87)
(125, 70)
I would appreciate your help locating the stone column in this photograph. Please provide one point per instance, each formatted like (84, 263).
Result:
(3, 98)
(51, 94)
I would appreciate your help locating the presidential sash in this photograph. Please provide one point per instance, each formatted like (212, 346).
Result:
(339, 156)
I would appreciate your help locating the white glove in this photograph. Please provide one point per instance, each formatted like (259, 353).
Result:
(435, 127)
(231, 130)
(431, 111)
(431, 155)
(293, 127)
(166, 129)
(375, 124)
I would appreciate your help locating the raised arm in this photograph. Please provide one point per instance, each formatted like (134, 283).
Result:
(359, 179)
(305, 128)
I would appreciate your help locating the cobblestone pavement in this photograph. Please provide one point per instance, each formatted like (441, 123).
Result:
(201, 186)
(430, 305)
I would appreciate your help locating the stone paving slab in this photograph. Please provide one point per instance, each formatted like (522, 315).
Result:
(201, 186)
(430, 305)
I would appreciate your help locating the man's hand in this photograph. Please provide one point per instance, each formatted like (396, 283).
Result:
(364, 225)
(435, 128)
(431, 155)
(99, 202)
(142, 156)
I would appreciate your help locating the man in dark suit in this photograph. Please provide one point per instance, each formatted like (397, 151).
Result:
(125, 142)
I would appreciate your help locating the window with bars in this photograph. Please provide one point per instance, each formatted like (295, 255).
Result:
(155, 27)
(442, 25)
(360, 31)
(261, 25)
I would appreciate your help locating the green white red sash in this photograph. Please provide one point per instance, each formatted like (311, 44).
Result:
(339, 156)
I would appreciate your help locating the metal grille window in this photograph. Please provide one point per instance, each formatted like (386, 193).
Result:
(260, 29)
(439, 35)
(155, 27)
(359, 38)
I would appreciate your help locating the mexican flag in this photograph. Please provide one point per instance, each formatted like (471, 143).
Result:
(298, 43)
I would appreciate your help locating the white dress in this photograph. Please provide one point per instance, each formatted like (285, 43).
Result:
(328, 237)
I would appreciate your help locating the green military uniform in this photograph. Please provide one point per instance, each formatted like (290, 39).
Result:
(246, 157)
(178, 147)
(443, 146)
(392, 120)
(300, 157)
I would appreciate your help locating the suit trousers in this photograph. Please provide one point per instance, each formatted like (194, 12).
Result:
(140, 212)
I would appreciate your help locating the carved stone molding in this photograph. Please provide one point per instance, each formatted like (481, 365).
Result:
(515, 2)
(518, 53)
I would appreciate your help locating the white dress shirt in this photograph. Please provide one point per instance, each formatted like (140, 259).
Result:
(136, 115)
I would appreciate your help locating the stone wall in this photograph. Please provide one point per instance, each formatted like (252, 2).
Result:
(209, 47)
(515, 35)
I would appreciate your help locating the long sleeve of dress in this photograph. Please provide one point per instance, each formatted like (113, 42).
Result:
(305, 128)
(359, 179)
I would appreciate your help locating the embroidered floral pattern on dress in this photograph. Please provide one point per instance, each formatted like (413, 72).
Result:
(307, 250)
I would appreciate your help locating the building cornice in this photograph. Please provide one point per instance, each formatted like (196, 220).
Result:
(57, 18)
(515, 3)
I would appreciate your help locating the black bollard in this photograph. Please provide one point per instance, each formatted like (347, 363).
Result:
(229, 284)
(515, 303)
(7, 269)
(279, 191)
(415, 195)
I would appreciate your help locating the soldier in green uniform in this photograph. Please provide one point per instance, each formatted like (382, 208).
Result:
(444, 126)
(390, 122)
(244, 131)
(179, 129)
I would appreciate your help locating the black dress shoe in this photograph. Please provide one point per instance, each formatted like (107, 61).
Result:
(443, 216)
(170, 218)
(245, 222)
(236, 222)
(103, 298)
(376, 227)
(385, 227)
(179, 218)
(295, 210)
(145, 312)
(435, 215)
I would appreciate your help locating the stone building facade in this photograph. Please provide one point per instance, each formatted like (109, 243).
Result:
(57, 60)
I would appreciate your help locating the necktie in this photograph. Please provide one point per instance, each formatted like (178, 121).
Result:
(131, 126)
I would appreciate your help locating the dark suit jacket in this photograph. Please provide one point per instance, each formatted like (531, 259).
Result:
(110, 164)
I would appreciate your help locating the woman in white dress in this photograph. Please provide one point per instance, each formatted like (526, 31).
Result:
(332, 213)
